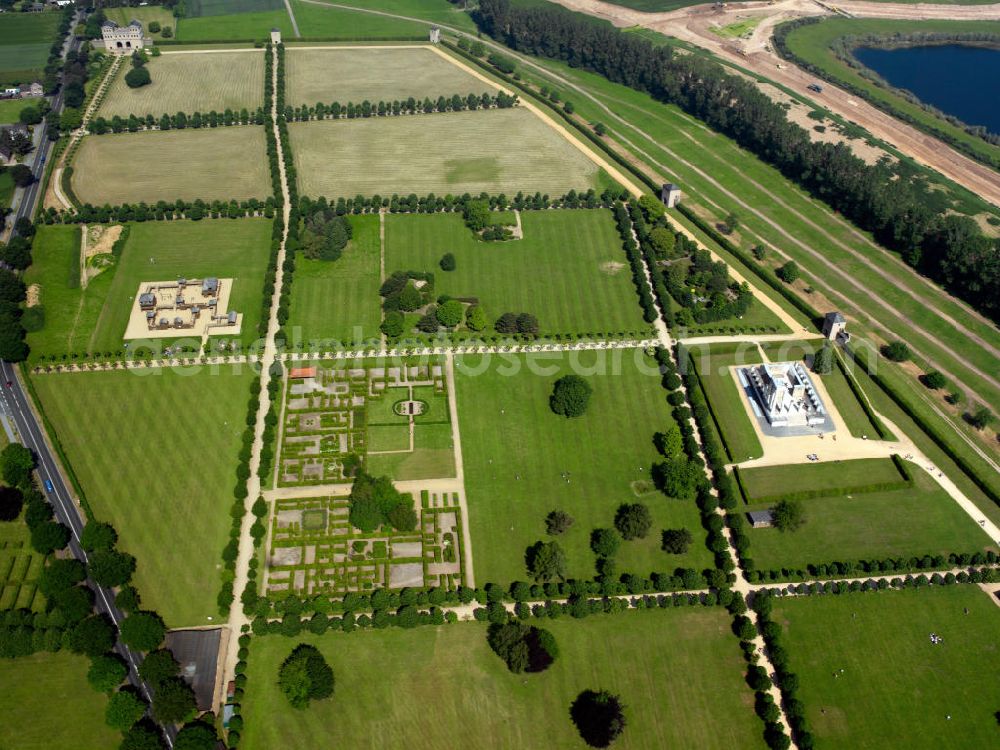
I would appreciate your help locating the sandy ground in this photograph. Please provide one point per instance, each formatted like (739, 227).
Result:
(34, 295)
(694, 25)
(95, 240)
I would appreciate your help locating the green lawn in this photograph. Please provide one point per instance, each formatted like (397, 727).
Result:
(163, 16)
(235, 27)
(7, 188)
(10, 109)
(335, 303)
(47, 703)
(329, 22)
(813, 43)
(678, 672)
(433, 453)
(897, 523)
(499, 151)
(766, 481)
(569, 270)
(726, 398)
(897, 689)
(94, 319)
(155, 451)
(522, 461)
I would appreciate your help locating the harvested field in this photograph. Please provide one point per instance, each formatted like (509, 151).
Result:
(499, 151)
(218, 164)
(191, 83)
(344, 74)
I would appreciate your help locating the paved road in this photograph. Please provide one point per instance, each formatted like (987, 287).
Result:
(29, 195)
(15, 403)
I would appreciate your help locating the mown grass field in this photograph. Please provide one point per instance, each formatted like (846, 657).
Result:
(218, 164)
(94, 319)
(725, 396)
(355, 75)
(254, 26)
(497, 151)
(25, 39)
(433, 454)
(317, 20)
(773, 210)
(569, 270)
(896, 523)
(191, 83)
(337, 302)
(767, 481)
(813, 44)
(897, 689)
(678, 672)
(155, 452)
(522, 461)
(163, 16)
(46, 702)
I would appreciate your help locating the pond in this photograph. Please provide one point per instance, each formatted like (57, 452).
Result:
(957, 79)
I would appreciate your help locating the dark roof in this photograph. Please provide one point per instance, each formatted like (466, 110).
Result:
(108, 23)
(835, 317)
(135, 22)
(671, 186)
(761, 516)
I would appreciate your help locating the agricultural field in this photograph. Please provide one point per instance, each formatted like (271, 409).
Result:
(33, 686)
(569, 270)
(629, 654)
(191, 83)
(20, 565)
(523, 461)
(219, 164)
(94, 319)
(870, 677)
(345, 74)
(163, 16)
(336, 303)
(813, 43)
(25, 39)
(497, 151)
(154, 452)
(907, 522)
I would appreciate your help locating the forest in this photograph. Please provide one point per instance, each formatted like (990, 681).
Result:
(950, 249)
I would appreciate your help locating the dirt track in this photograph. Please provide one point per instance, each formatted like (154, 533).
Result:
(694, 25)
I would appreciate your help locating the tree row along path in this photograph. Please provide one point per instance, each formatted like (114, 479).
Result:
(694, 25)
(848, 301)
(237, 618)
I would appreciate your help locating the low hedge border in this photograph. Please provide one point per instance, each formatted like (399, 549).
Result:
(906, 480)
(880, 429)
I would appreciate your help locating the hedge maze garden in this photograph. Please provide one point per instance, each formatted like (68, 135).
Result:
(335, 419)
(314, 550)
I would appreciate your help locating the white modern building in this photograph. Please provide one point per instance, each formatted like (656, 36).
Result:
(783, 394)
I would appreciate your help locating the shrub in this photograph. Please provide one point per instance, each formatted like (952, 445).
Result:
(392, 325)
(475, 318)
(557, 521)
(124, 709)
(106, 672)
(789, 515)
(143, 631)
(788, 272)
(545, 561)
(450, 313)
(570, 396)
(305, 676)
(11, 502)
(154, 27)
(676, 541)
(137, 77)
(599, 717)
(633, 520)
(447, 262)
(605, 542)
(896, 351)
(98, 536)
(935, 380)
(523, 648)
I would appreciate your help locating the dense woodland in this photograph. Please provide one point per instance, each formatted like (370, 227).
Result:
(950, 249)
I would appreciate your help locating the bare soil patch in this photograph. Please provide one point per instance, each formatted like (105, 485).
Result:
(34, 295)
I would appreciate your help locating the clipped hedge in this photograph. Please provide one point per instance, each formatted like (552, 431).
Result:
(906, 480)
